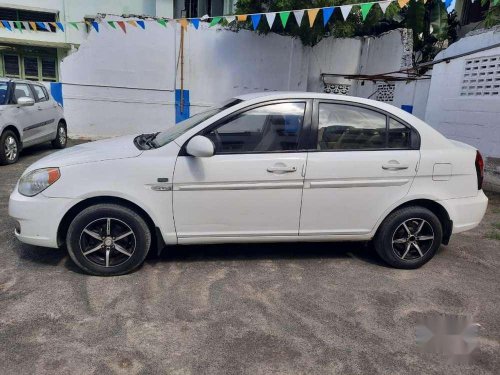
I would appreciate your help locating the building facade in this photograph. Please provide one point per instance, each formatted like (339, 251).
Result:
(36, 54)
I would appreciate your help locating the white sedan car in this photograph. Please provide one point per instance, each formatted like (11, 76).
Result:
(266, 167)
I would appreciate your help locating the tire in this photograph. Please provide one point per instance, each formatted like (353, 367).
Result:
(9, 148)
(61, 136)
(400, 243)
(98, 250)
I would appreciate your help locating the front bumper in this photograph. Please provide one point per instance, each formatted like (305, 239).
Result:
(38, 217)
(466, 213)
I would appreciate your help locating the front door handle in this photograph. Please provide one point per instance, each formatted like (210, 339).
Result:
(39, 108)
(394, 165)
(280, 169)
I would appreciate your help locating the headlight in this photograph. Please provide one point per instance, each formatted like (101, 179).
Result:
(37, 181)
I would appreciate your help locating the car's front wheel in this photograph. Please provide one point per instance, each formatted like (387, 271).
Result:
(61, 137)
(108, 240)
(9, 148)
(409, 237)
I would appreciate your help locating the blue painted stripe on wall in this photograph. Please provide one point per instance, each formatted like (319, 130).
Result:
(56, 92)
(184, 114)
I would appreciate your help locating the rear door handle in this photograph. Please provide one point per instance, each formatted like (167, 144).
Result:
(39, 108)
(281, 169)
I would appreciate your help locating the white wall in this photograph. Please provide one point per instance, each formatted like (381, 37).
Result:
(473, 120)
(219, 64)
(120, 83)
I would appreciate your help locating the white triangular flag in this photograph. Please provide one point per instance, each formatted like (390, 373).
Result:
(298, 16)
(26, 25)
(384, 5)
(47, 26)
(230, 19)
(270, 19)
(11, 23)
(345, 9)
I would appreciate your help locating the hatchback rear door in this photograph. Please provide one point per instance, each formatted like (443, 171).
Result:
(364, 161)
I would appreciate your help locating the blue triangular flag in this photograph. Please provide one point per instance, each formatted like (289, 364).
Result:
(447, 3)
(256, 20)
(7, 25)
(95, 25)
(327, 13)
(60, 25)
(196, 23)
(41, 25)
(141, 24)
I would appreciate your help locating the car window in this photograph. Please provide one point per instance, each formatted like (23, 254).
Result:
(3, 92)
(399, 135)
(346, 127)
(41, 94)
(22, 90)
(274, 127)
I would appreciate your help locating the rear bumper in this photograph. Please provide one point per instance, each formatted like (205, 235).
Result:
(466, 213)
(38, 218)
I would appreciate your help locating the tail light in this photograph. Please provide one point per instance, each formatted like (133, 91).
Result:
(479, 170)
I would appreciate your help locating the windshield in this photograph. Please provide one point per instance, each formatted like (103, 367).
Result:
(3, 92)
(176, 131)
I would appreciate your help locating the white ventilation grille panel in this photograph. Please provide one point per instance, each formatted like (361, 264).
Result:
(481, 77)
(385, 92)
(337, 88)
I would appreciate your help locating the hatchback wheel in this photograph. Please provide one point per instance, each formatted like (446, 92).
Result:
(108, 240)
(61, 137)
(409, 237)
(9, 148)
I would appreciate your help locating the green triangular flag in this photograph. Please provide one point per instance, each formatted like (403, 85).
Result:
(284, 18)
(162, 22)
(112, 24)
(215, 21)
(365, 8)
(495, 2)
(18, 25)
(74, 24)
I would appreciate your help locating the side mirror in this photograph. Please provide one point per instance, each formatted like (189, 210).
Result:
(201, 147)
(25, 101)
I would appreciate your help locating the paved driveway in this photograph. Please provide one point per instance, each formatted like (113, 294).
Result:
(259, 309)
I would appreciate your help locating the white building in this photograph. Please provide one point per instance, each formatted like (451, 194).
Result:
(36, 55)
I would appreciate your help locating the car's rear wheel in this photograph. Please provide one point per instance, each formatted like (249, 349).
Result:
(9, 148)
(108, 240)
(61, 137)
(409, 237)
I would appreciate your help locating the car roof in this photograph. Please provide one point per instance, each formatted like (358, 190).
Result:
(16, 80)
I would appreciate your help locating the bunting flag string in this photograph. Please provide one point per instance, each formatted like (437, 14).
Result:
(255, 19)
(327, 13)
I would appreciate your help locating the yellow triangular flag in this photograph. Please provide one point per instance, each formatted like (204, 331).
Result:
(53, 24)
(2, 26)
(312, 13)
(184, 23)
(33, 25)
(242, 17)
(133, 23)
(402, 3)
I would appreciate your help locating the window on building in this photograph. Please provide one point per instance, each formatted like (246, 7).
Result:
(36, 64)
(198, 8)
(13, 14)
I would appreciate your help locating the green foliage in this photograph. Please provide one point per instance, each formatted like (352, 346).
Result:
(492, 17)
(430, 23)
(375, 22)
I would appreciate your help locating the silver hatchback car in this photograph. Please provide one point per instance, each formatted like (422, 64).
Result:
(28, 116)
